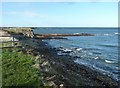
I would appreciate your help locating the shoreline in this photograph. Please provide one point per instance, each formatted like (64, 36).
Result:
(62, 70)
(69, 61)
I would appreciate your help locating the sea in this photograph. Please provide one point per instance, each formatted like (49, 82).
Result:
(99, 52)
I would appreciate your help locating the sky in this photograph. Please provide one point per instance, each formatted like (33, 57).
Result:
(59, 14)
(59, 0)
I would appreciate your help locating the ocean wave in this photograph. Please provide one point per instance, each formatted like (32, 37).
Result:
(109, 45)
(101, 68)
(76, 33)
(107, 34)
(91, 49)
(67, 50)
(96, 58)
(79, 49)
(98, 53)
(59, 53)
(116, 33)
(110, 61)
(63, 51)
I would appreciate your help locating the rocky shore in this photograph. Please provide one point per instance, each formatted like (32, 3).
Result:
(62, 70)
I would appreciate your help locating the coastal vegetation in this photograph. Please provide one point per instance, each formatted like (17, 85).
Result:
(9, 44)
(18, 69)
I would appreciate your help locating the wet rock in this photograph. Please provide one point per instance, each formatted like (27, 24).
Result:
(45, 63)
(76, 57)
(38, 57)
(52, 84)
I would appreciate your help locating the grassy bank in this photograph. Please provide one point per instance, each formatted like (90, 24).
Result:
(18, 69)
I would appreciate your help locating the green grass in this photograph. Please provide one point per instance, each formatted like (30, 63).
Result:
(9, 44)
(0, 70)
(18, 69)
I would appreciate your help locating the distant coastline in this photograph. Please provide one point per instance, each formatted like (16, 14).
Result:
(65, 27)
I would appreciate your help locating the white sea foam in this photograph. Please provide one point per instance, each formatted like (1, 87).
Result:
(116, 33)
(76, 33)
(64, 51)
(107, 34)
(67, 50)
(96, 58)
(76, 61)
(79, 49)
(108, 61)
(59, 53)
